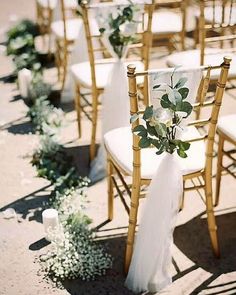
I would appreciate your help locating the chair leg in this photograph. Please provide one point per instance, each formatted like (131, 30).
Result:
(110, 190)
(78, 108)
(210, 215)
(94, 125)
(219, 169)
(132, 225)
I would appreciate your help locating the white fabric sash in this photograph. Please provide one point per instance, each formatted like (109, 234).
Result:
(151, 260)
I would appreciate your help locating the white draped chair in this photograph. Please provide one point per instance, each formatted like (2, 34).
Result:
(93, 75)
(226, 130)
(125, 159)
(212, 47)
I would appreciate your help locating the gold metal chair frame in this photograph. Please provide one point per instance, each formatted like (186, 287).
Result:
(223, 28)
(95, 91)
(44, 21)
(115, 172)
(229, 153)
(63, 46)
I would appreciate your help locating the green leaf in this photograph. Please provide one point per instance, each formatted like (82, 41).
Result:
(148, 113)
(145, 142)
(184, 145)
(181, 82)
(160, 129)
(187, 107)
(161, 150)
(184, 92)
(140, 130)
(178, 96)
(102, 30)
(181, 153)
(165, 103)
(134, 117)
(151, 130)
(156, 86)
(156, 143)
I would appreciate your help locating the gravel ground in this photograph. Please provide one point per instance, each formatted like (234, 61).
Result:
(195, 270)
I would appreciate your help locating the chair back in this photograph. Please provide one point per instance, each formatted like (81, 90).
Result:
(217, 24)
(206, 125)
(44, 16)
(178, 6)
(144, 33)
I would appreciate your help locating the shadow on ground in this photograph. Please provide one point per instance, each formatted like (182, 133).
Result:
(193, 240)
(30, 206)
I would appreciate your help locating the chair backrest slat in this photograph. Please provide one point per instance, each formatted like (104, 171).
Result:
(218, 17)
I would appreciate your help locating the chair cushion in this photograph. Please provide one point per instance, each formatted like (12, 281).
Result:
(73, 27)
(213, 56)
(165, 22)
(82, 73)
(226, 124)
(118, 143)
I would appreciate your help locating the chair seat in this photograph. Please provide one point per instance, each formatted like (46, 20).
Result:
(82, 73)
(166, 22)
(69, 4)
(226, 124)
(73, 27)
(213, 56)
(118, 143)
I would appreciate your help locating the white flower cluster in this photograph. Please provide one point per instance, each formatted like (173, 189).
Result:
(74, 253)
(69, 201)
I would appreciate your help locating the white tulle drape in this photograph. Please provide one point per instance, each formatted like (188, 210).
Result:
(151, 260)
(115, 114)
(115, 99)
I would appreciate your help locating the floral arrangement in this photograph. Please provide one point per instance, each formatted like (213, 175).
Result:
(20, 44)
(120, 26)
(164, 124)
(74, 252)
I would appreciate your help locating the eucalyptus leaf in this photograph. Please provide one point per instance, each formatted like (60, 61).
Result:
(160, 129)
(165, 103)
(181, 153)
(145, 142)
(181, 82)
(184, 92)
(148, 113)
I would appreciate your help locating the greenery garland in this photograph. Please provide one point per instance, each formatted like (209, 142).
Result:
(73, 253)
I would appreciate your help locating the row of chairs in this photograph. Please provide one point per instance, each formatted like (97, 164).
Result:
(212, 29)
(92, 76)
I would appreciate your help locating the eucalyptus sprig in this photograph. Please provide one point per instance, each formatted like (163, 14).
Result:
(162, 125)
(120, 27)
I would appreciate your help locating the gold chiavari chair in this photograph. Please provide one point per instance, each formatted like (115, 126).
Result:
(126, 159)
(44, 10)
(169, 23)
(227, 136)
(65, 31)
(93, 75)
(212, 47)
